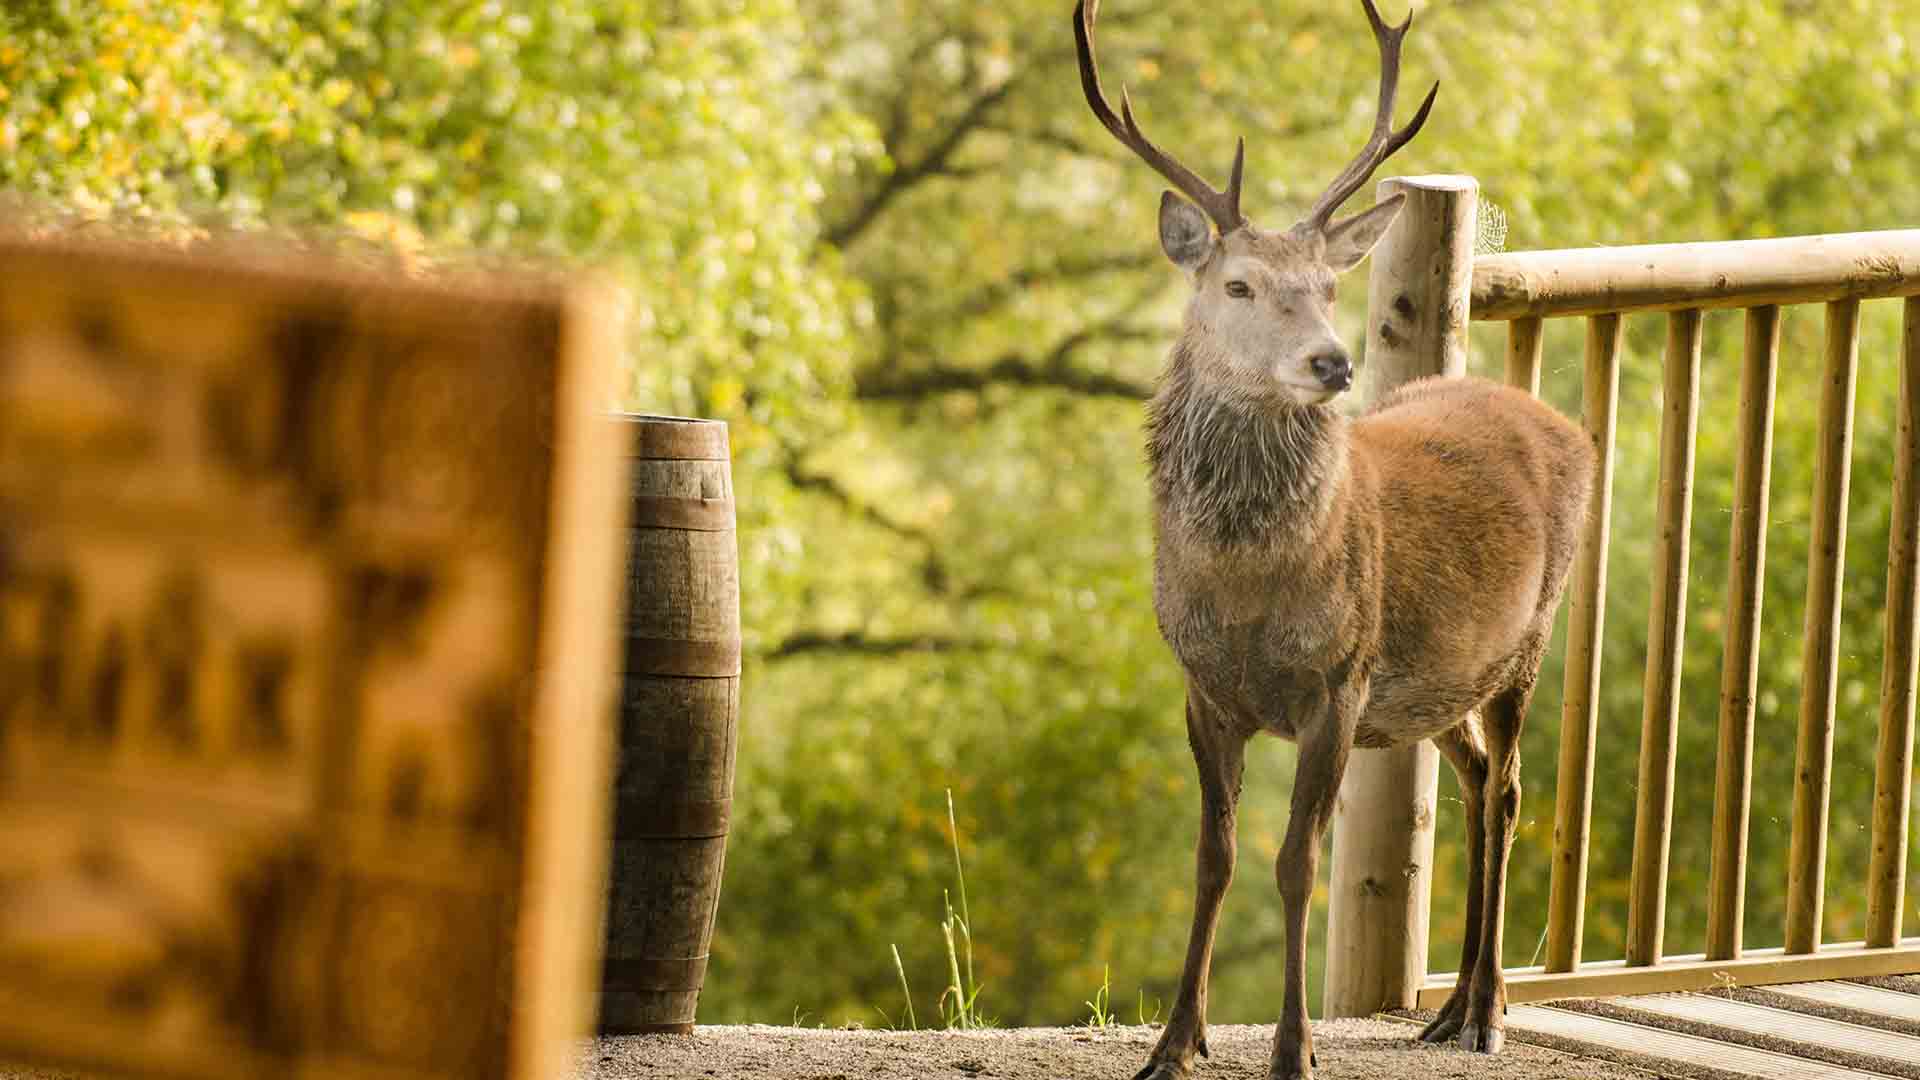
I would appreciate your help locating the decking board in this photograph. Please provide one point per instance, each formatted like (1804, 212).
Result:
(1778, 1023)
(1850, 995)
(1623, 1037)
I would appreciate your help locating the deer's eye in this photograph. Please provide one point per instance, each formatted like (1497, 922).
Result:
(1239, 290)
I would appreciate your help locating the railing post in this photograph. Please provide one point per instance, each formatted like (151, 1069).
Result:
(1418, 294)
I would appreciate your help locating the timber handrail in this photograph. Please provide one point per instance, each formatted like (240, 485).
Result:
(1717, 274)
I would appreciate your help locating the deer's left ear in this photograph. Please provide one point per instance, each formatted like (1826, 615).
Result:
(1349, 239)
(1184, 233)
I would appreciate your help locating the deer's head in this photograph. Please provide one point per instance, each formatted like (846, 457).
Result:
(1261, 313)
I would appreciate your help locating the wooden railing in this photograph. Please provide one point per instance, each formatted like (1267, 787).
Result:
(1603, 286)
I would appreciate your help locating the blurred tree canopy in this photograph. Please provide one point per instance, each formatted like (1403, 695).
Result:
(885, 241)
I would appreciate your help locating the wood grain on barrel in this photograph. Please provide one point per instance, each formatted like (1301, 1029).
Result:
(678, 715)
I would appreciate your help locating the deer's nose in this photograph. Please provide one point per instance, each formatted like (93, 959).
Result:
(1332, 368)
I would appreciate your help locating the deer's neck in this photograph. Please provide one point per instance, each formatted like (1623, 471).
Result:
(1236, 471)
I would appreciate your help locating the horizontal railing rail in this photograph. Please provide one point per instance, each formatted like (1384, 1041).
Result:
(1720, 274)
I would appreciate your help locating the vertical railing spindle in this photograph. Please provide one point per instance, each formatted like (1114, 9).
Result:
(1820, 655)
(1893, 775)
(1666, 635)
(1740, 665)
(1580, 709)
(1524, 340)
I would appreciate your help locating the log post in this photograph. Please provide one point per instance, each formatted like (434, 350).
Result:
(1417, 307)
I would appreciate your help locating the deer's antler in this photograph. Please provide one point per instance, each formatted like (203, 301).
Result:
(1384, 140)
(1222, 206)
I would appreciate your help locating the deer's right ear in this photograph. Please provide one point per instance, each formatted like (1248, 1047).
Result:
(1184, 233)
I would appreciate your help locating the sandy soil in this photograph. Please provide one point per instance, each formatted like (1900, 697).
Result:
(1382, 1048)
(1377, 1049)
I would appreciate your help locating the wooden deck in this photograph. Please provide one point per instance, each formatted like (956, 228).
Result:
(1867, 1030)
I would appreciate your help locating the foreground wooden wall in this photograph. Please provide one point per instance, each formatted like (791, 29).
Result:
(307, 587)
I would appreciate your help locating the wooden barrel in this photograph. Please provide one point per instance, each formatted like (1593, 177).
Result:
(679, 700)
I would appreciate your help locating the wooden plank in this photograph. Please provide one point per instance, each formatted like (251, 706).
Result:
(315, 571)
(1740, 664)
(1666, 641)
(1900, 666)
(1525, 341)
(1381, 880)
(1580, 709)
(1758, 967)
(1691, 1050)
(1754, 1019)
(1723, 274)
(1820, 656)
(1857, 996)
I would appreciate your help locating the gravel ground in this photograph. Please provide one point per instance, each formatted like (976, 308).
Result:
(1382, 1048)
(1906, 984)
(1378, 1049)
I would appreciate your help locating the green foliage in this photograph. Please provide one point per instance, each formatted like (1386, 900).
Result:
(906, 992)
(885, 241)
(1100, 1008)
(959, 1002)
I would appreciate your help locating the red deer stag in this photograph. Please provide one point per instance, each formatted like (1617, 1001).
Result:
(1366, 582)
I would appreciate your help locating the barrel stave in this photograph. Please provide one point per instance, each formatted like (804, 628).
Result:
(673, 787)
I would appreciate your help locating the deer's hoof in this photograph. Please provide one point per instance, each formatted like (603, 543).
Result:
(1443, 1028)
(1163, 1070)
(1482, 1040)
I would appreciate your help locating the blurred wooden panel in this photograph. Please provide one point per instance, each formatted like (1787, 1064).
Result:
(307, 590)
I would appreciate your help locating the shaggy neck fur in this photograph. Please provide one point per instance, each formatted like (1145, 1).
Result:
(1237, 469)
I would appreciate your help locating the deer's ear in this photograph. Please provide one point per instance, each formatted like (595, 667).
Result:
(1349, 239)
(1184, 233)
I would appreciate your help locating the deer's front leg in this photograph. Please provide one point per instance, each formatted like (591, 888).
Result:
(1324, 744)
(1219, 753)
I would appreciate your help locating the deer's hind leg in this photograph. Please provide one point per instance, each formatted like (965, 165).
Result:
(1484, 1028)
(1464, 750)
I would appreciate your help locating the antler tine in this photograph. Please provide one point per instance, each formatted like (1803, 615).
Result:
(1384, 141)
(1222, 206)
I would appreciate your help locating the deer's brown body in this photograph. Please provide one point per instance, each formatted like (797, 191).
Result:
(1424, 546)
(1340, 583)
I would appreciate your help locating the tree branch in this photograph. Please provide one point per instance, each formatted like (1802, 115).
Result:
(858, 644)
(934, 572)
(933, 163)
(986, 298)
(1051, 371)
(822, 484)
(1011, 370)
(1060, 141)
